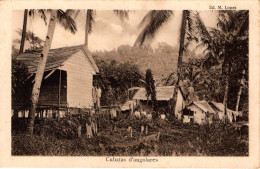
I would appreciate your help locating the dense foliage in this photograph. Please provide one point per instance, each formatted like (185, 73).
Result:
(227, 45)
(117, 79)
(162, 60)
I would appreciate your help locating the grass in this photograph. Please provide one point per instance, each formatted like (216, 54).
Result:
(176, 139)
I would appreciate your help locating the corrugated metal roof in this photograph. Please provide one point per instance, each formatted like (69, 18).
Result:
(162, 93)
(203, 105)
(220, 106)
(56, 58)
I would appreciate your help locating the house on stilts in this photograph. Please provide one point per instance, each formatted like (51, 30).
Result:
(71, 82)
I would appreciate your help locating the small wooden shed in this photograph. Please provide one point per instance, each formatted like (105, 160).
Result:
(164, 95)
(69, 80)
(219, 109)
(203, 112)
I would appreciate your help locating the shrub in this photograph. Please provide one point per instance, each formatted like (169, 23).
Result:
(64, 128)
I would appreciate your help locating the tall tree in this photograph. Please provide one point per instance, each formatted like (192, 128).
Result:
(151, 91)
(24, 31)
(31, 13)
(190, 77)
(88, 25)
(40, 70)
(240, 89)
(224, 44)
(181, 50)
(36, 43)
(154, 20)
(68, 23)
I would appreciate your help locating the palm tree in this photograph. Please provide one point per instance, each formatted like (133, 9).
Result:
(32, 13)
(68, 23)
(218, 42)
(24, 31)
(154, 20)
(36, 43)
(240, 89)
(191, 76)
(225, 43)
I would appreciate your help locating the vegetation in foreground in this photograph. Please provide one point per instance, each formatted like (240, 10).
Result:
(176, 139)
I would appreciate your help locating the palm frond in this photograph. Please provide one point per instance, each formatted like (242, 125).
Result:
(40, 12)
(201, 29)
(91, 19)
(191, 18)
(155, 20)
(29, 36)
(123, 14)
(66, 20)
(76, 14)
(244, 25)
(73, 13)
(31, 12)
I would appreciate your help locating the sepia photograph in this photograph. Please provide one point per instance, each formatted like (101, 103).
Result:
(147, 83)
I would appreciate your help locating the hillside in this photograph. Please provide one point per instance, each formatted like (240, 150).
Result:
(162, 60)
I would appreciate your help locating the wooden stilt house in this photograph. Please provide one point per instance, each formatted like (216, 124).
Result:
(69, 81)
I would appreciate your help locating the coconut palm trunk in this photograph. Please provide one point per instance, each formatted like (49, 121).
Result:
(181, 50)
(87, 27)
(240, 90)
(24, 31)
(226, 92)
(225, 100)
(40, 71)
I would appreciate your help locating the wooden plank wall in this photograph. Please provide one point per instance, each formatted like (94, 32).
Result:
(49, 92)
(80, 81)
(49, 95)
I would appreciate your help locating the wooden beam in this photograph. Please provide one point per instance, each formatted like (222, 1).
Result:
(59, 94)
(49, 74)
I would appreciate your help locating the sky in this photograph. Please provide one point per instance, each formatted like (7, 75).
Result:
(109, 31)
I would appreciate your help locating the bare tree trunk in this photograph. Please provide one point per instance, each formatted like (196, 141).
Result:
(226, 91)
(40, 71)
(87, 27)
(240, 90)
(24, 31)
(181, 49)
(225, 100)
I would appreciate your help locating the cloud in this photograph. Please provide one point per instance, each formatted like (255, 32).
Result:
(103, 26)
(109, 31)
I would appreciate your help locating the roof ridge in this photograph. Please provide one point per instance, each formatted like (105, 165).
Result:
(60, 48)
(90, 58)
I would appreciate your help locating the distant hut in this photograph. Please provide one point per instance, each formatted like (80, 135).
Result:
(164, 96)
(70, 80)
(219, 108)
(202, 112)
